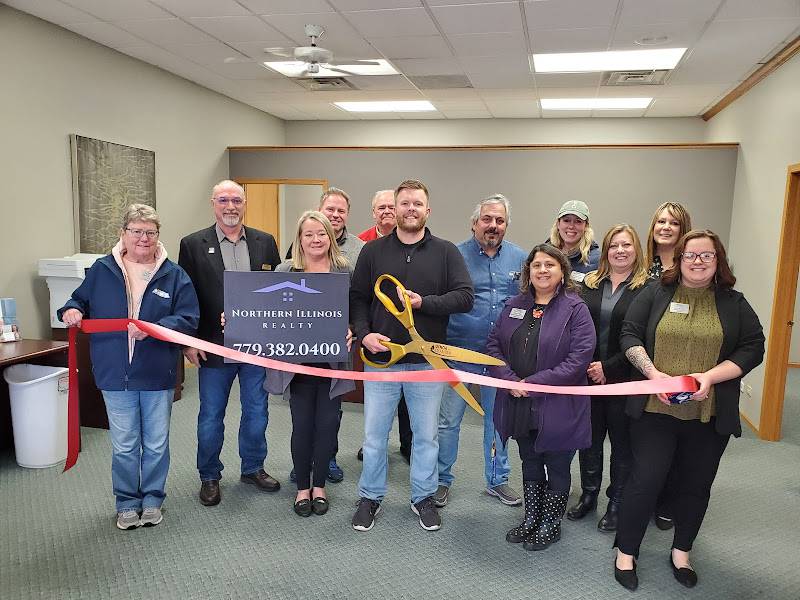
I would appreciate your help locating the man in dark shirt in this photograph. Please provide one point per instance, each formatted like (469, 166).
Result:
(438, 285)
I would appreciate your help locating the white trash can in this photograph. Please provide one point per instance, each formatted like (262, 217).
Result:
(38, 397)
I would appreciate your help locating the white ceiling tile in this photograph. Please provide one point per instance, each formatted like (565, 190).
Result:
(489, 44)
(278, 7)
(256, 49)
(176, 64)
(209, 54)
(467, 114)
(500, 80)
(643, 12)
(515, 111)
(490, 64)
(105, 33)
(381, 82)
(259, 87)
(639, 112)
(291, 25)
(427, 46)
(479, 18)
(629, 91)
(463, 104)
(675, 107)
(575, 92)
(377, 116)
(594, 39)
(247, 70)
(421, 116)
(709, 91)
(160, 31)
(681, 35)
(559, 80)
(516, 95)
(730, 49)
(452, 94)
(762, 9)
(235, 29)
(112, 11)
(387, 23)
(457, 2)
(350, 5)
(55, 12)
(569, 14)
(203, 8)
(282, 111)
(429, 66)
(566, 114)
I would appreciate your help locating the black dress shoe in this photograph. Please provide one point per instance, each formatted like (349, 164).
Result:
(608, 522)
(209, 492)
(684, 575)
(627, 578)
(586, 503)
(262, 481)
(320, 505)
(303, 507)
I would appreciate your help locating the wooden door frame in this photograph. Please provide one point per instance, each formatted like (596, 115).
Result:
(783, 299)
(246, 180)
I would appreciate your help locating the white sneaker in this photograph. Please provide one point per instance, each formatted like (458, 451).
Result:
(128, 519)
(151, 516)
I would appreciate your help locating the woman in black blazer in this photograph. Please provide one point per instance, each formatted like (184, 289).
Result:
(692, 322)
(608, 292)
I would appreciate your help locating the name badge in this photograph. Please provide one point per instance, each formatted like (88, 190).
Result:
(517, 313)
(211, 250)
(576, 276)
(160, 293)
(679, 307)
(266, 267)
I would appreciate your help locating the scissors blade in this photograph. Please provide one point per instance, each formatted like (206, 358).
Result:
(438, 363)
(459, 354)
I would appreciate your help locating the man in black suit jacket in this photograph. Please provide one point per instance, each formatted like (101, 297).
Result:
(205, 255)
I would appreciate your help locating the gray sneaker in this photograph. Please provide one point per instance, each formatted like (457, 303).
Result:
(441, 495)
(151, 516)
(505, 494)
(128, 519)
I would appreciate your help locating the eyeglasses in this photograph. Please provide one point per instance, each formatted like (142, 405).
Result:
(706, 257)
(223, 201)
(150, 233)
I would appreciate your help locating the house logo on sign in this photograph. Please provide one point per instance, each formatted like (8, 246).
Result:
(288, 289)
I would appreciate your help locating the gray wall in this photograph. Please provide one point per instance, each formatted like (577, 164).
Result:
(618, 184)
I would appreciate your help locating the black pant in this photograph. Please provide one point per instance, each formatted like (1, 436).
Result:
(315, 421)
(534, 463)
(657, 440)
(608, 416)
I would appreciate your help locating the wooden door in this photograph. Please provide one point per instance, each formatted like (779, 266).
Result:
(262, 208)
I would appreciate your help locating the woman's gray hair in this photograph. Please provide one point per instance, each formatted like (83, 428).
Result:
(140, 212)
(493, 199)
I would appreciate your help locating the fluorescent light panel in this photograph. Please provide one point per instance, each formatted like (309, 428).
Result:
(618, 60)
(387, 106)
(295, 68)
(594, 103)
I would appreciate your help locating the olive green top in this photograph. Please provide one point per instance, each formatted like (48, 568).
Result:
(688, 343)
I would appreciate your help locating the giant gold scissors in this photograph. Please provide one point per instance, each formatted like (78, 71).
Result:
(434, 352)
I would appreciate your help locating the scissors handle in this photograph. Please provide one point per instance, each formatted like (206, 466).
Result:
(397, 351)
(404, 316)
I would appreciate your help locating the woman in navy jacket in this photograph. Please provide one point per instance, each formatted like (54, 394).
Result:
(136, 373)
(546, 336)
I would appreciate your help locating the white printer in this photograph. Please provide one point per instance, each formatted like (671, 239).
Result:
(64, 275)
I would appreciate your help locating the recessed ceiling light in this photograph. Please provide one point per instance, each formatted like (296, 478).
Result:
(616, 60)
(594, 103)
(298, 68)
(387, 106)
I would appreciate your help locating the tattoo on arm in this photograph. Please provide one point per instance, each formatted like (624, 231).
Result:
(639, 359)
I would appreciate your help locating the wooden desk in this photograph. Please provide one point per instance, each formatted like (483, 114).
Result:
(38, 352)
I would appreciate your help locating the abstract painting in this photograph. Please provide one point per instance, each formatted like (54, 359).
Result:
(106, 178)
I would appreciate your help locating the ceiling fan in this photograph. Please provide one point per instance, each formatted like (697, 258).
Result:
(315, 56)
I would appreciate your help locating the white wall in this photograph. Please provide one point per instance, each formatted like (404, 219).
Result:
(54, 83)
(495, 131)
(766, 122)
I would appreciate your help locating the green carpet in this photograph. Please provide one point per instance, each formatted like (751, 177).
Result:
(58, 539)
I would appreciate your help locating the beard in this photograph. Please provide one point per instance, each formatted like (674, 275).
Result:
(412, 227)
(231, 220)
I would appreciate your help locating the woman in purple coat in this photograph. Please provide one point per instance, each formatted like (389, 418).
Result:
(546, 336)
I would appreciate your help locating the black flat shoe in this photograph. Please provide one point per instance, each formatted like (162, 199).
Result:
(684, 575)
(320, 505)
(303, 507)
(664, 523)
(627, 578)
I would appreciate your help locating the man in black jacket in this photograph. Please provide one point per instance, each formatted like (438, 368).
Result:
(438, 285)
(205, 255)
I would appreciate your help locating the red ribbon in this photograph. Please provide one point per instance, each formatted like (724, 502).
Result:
(669, 385)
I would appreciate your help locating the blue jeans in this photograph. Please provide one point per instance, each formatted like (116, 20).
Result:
(380, 404)
(139, 430)
(495, 464)
(215, 387)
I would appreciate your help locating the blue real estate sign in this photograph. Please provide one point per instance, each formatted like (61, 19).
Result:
(294, 317)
